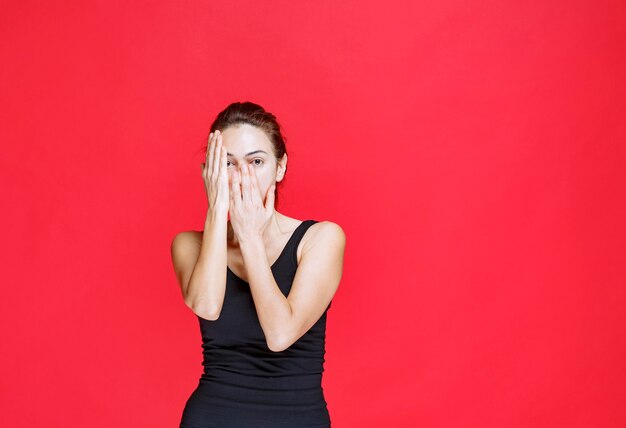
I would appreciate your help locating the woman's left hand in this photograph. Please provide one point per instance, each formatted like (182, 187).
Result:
(249, 214)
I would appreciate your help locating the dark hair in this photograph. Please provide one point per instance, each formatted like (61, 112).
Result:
(253, 114)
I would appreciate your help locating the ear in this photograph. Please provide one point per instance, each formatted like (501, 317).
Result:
(281, 168)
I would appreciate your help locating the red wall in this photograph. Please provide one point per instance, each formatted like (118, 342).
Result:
(473, 152)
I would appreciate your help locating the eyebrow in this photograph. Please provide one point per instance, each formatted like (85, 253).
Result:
(249, 154)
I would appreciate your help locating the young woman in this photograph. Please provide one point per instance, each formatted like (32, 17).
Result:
(260, 283)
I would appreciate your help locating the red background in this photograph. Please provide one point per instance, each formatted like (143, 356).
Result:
(473, 152)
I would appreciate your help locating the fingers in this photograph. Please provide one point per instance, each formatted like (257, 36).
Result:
(224, 167)
(235, 194)
(270, 198)
(211, 152)
(217, 156)
(246, 185)
(249, 192)
(254, 186)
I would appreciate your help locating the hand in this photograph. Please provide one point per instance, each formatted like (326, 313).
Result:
(215, 174)
(249, 214)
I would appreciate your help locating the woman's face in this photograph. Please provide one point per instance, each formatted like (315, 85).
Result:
(247, 144)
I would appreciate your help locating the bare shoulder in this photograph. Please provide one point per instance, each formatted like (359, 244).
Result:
(184, 250)
(327, 230)
(325, 234)
(187, 238)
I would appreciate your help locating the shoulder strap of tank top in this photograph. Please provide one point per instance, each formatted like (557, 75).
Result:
(297, 237)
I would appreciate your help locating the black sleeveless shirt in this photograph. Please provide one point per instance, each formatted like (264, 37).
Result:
(244, 383)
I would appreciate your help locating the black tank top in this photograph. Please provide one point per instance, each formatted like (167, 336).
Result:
(244, 383)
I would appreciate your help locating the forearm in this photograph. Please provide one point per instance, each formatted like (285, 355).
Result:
(207, 284)
(272, 307)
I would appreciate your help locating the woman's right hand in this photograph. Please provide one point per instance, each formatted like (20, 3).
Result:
(215, 174)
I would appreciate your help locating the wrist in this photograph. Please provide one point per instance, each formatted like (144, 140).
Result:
(250, 240)
(217, 213)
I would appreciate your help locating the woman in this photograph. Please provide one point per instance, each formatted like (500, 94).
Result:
(260, 283)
